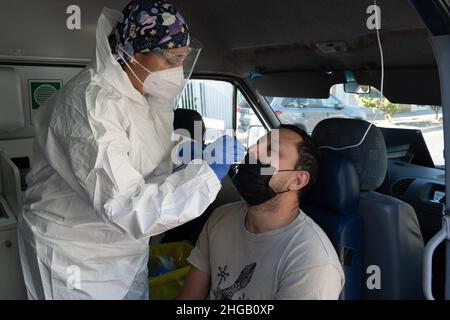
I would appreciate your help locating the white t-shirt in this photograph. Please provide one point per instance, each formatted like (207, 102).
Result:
(296, 261)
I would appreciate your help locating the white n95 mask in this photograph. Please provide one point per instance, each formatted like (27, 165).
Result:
(164, 84)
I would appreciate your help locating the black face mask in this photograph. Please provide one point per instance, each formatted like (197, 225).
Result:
(252, 185)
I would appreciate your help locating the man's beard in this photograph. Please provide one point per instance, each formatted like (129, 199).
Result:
(272, 205)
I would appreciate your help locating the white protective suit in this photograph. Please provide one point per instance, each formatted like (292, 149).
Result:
(102, 184)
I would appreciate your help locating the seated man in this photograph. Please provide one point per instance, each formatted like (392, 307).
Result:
(266, 247)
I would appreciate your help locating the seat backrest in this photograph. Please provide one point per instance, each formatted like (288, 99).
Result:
(393, 243)
(332, 203)
(191, 122)
(11, 277)
(10, 187)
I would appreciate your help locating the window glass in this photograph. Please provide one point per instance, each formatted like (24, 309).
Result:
(249, 128)
(214, 101)
(308, 113)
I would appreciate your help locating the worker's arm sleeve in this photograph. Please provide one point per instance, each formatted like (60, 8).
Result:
(98, 148)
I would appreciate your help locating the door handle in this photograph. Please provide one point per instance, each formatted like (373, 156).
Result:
(427, 272)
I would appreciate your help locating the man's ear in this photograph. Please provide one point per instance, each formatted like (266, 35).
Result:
(301, 179)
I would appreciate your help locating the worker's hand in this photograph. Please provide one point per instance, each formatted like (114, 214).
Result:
(190, 150)
(222, 153)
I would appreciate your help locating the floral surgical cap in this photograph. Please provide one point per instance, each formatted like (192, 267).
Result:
(148, 25)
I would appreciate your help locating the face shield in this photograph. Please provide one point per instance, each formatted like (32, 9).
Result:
(180, 64)
(186, 60)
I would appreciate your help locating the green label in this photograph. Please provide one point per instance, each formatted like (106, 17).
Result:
(42, 90)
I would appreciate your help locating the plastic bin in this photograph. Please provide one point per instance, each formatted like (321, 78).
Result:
(167, 285)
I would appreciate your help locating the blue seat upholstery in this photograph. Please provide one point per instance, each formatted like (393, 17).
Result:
(332, 203)
(392, 244)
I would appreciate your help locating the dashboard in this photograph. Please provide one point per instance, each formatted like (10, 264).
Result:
(417, 185)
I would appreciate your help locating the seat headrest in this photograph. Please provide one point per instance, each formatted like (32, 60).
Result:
(186, 119)
(370, 158)
(337, 185)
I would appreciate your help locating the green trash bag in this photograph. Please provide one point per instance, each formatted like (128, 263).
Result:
(168, 269)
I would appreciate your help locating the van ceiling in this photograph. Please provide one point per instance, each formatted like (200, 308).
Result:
(243, 36)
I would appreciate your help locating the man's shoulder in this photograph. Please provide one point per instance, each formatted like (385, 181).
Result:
(226, 214)
(311, 247)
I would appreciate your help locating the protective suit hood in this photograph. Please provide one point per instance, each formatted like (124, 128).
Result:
(104, 62)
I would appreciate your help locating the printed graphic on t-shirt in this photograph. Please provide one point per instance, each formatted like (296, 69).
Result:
(240, 284)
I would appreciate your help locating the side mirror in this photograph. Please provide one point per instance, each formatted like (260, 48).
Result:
(354, 87)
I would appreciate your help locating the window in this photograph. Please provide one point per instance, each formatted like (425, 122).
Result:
(248, 127)
(309, 112)
(330, 102)
(214, 101)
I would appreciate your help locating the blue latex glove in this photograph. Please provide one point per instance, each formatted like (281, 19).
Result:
(190, 150)
(222, 153)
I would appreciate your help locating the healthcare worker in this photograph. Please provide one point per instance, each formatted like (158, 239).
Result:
(102, 181)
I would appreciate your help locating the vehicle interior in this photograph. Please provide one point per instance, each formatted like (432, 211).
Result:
(380, 202)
